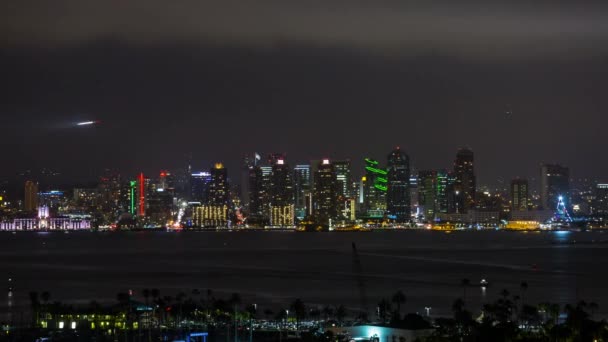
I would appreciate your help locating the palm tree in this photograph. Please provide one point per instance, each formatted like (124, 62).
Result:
(328, 312)
(593, 307)
(268, 313)
(465, 283)
(340, 313)
(146, 294)
(384, 308)
(46, 297)
(523, 287)
(399, 299)
(299, 310)
(35, 305)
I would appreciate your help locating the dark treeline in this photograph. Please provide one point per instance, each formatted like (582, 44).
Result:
(151, 316)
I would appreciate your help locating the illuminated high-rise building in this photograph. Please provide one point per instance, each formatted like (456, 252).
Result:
(214, 211)
(375, 189)
(442, 192)
(600, 202)
(31, 196)
(142, 190)
(302, 187)
(325, 193)
(343, 177)
(218, 188)
(519, 195)
(427, 193)
(200, 183)
(465, 186)
(259, 194)
(132, 197)
(554, 182)
(166, 182)
(281, 195)
(398, 186)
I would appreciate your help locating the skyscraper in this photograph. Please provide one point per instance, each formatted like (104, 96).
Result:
(200, 183)
(343, 176)
(259, 193)
(302, 187)
(325, 193)
(218, 188)
(519, 195)
(214, 212)
(31, 196)
(281, 195)
(442, 191)
(427, 183)
(398, 189)
(375, 189)
(465, 185)
(554, 182)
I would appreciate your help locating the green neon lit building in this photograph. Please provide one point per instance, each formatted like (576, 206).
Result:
(375, 189)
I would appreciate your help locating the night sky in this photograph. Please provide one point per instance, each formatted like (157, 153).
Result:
(518, 83)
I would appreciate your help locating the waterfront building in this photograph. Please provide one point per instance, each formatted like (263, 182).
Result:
(210, 215)
(519, 195)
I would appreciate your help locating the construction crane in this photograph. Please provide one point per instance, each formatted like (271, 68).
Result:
(358, 272)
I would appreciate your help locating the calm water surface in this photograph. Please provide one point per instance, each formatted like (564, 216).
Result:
(273, 268)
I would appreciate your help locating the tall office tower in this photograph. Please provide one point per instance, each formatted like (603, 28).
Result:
(166, 182)
(246, 168)
(31, 196)
(451, 194)
(414, 205)
(343, 175)
(281, 195)
(442, 192)
(375, 189)
(159, 206)
(132, 197)
(110, 194)
(142, 189)
(259, 194)
(398, 186)
(519, 195)
(200, 183)
(600, 203)
(214, 212)
(302, 187)
(325, 193)
(218, 189)
(554, 182)
(427, 194)
(465, 186)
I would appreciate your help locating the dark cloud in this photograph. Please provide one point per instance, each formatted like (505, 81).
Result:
(493, 29)
(345, 81)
